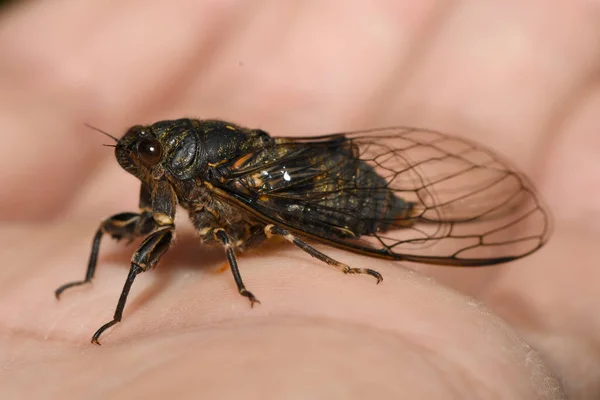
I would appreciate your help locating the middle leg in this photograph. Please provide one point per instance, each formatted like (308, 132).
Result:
(222, 236)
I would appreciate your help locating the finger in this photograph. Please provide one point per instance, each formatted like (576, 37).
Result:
(502, 73)
(554, 300)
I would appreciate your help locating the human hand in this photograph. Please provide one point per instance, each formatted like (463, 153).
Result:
(519, 79)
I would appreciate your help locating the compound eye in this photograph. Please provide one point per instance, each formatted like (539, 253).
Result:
(150, 151)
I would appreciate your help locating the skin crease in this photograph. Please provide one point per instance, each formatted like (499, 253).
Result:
(519, 77)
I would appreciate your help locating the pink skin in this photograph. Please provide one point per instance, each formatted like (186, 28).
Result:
(520, 77)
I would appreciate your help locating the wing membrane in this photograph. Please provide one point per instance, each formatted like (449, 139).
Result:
(398, 193)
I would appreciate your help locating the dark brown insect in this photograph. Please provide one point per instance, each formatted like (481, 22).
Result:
(396, 193)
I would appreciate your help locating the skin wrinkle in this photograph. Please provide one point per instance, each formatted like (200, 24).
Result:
(445, 367)
(270, 322)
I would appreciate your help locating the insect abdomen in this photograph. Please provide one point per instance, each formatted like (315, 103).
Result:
(364, 211)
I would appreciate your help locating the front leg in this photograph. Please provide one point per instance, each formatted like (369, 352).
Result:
(156, 221)
(163, 203)
(146, 257)
(127, 225)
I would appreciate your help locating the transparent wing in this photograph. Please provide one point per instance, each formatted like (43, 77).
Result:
(399, 193)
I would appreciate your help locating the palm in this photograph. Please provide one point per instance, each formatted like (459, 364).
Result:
(511, 81)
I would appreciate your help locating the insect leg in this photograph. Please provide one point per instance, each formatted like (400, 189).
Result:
(124, 225)
(272, 230)
(146, 257)
(224, 239)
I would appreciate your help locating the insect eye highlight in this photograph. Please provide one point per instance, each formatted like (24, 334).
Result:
(150, 150)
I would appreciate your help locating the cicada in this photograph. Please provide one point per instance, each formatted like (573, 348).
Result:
(402, 194)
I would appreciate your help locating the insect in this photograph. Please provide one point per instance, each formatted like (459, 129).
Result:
(402, 194)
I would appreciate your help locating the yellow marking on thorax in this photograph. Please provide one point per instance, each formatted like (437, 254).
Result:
(204, 231)
(162, 219)
(239, 162)
(213, 165)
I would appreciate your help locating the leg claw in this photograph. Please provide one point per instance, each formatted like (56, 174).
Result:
(250, 297)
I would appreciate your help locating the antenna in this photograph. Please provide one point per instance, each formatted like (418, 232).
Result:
(101, 131)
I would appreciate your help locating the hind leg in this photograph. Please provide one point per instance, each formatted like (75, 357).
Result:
(272, 230)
